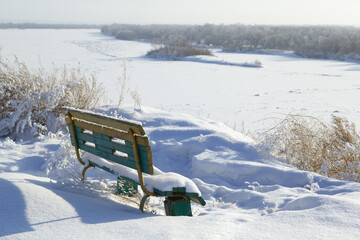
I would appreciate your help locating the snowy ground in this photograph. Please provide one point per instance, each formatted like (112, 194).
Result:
(249, 196)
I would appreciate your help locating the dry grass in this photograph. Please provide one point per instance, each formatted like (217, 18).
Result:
(310, 144)
(137, 99)
(32, 97)
(342, 158)
(123, 82)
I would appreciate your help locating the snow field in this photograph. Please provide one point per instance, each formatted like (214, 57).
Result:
(248, 195)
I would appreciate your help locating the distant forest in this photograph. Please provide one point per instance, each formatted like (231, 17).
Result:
(333, 42)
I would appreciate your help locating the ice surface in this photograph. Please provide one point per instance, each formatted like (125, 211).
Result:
(228, 93)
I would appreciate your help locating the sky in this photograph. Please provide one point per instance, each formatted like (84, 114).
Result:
(272, 12)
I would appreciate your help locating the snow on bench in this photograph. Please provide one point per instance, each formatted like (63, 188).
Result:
(162, 181)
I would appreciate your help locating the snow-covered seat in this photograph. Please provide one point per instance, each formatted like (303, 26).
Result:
(121, 147)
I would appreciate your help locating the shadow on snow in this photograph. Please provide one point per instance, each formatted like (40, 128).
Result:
(95, 209)
(12, 210)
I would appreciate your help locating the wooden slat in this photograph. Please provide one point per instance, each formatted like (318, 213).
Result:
(113, 158)
(159, 192)
(105, 120)
(146, 165)
(102, 146)
(101, 136)
(104, 168)
(142, 140)
(179, 189)
(104, 149)
(108, 144)
(102, 131)
(107, 153)
(99, 140)
(193, 196)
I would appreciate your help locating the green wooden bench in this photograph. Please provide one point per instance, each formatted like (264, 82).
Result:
(122, 148)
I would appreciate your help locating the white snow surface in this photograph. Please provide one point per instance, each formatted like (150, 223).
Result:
(248, 196)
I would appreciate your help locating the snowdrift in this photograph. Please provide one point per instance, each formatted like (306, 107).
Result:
(248, 195)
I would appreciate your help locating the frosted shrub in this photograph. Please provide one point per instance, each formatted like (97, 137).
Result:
(342, 158)
(309, 144)
(30, 99)
(62, 165)
(137, 99)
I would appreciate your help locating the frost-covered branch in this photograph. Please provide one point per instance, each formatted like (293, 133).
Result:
(30, 99)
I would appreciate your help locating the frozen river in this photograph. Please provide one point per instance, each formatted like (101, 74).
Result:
(228, 93)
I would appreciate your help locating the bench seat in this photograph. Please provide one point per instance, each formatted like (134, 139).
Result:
(165, 184)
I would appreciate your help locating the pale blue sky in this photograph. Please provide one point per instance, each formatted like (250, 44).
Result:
(314, 12)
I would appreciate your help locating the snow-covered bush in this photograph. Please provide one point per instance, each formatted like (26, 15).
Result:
(64, 169)
(310, 144)
(30, 99)
(62, 165)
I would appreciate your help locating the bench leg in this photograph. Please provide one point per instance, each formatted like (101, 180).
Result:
(142, 203)
(177, 206)
(126, 187)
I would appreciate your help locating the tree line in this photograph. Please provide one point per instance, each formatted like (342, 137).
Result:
(335, 42)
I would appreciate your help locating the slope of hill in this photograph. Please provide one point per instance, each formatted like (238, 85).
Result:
(249, 196)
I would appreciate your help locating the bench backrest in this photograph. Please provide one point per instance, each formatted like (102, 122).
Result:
(108, 137)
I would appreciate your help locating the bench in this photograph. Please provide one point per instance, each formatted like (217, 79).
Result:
(121, 147)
